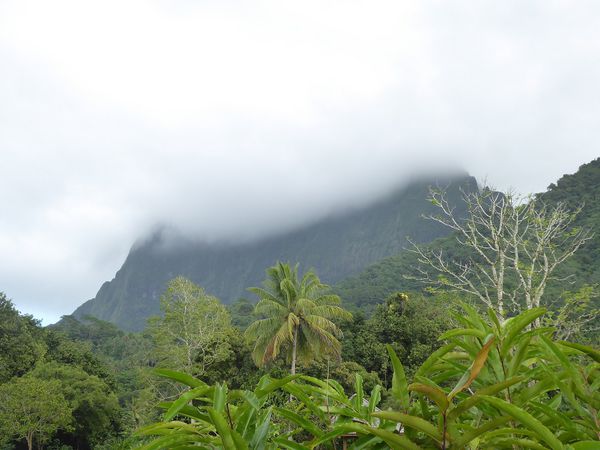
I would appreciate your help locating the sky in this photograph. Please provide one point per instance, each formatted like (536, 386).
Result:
(233, 119)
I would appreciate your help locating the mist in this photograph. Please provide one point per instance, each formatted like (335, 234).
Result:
(234, 121)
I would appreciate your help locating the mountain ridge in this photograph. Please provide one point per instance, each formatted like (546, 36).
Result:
(582, 188)
(337, 246)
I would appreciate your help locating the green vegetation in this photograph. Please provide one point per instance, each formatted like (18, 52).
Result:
(474, 359)
(573, 284)
(297, 317)
(54, 389)
(492, 385)
(190, 334)
(411, 325)
(33, 409)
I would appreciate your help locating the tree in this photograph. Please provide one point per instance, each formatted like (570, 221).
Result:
(95, 407)
(191, 335)
(21, 341)
(514, 244)
(297, 316)
(410, 324)
(32, 408)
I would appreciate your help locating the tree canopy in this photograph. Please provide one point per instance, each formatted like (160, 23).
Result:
(33, 409)
(297, 317)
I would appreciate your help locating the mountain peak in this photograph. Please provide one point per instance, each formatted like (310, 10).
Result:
(338, 245)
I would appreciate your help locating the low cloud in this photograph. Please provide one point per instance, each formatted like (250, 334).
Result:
(235, 120)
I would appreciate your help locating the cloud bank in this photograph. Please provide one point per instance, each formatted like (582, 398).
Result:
(232, 119)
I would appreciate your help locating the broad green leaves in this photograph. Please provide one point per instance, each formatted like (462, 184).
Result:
(493, 385)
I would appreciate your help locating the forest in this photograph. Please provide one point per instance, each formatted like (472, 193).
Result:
(486, 338)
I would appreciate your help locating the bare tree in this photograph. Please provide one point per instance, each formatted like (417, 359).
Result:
(514, 245)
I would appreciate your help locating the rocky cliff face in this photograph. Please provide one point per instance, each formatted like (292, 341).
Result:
(336, 247)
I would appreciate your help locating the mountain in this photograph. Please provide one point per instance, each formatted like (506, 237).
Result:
(582, 189)
(337, 247)
(376, 282)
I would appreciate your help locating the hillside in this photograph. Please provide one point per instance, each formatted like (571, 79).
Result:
(337, 247)
(379, 280)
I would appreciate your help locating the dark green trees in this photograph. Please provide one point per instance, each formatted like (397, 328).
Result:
(21, 341)
(33, 409)
(410, 324)
(52, 387)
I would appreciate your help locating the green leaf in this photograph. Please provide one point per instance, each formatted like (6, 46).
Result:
(411, 421)
(492, 315)
(359, 394)
(299, 420)
(175, 441)
(180, 377)
(339, 429)
(584, 445)
(515, 325)
(366, 442)
(559, 418)
(291, 445)
(220, 397)
(161, 427)
(433, 393)
(575, 377)
(374, 399)
(394, 440)
(591, 352)
(475, 368)
(519, 356)
(297, 392)
(261, 431)
(223, 430)
(528, 420)
(466, 438)
(462, 332)
(478, 396)
(434, 358)
(519, 443)
(183, 400)
(272, 384)
(188, 411)
(399, 383)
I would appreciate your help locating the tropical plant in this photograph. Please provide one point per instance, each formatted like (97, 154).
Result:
(220, 418)
(297, 317)
(491, 385)
(496, 385)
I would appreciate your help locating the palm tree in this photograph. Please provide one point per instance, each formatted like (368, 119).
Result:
(296, 317)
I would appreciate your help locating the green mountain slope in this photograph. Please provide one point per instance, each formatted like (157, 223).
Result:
(582, 189)
(373, 285)
(336, 247)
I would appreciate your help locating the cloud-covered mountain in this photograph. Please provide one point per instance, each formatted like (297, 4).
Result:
(336, 246)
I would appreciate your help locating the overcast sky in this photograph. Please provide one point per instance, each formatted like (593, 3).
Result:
(231, 118)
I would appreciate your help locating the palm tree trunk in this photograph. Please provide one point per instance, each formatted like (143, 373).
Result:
(294, 350)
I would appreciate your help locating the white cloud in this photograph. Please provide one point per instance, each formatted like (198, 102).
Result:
(233, 118)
